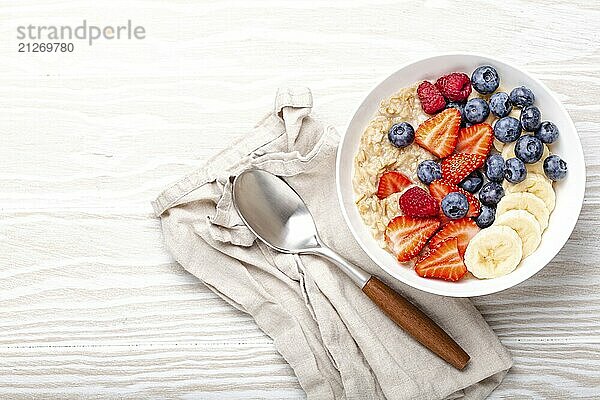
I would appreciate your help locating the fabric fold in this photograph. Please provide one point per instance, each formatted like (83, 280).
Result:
(338, 342)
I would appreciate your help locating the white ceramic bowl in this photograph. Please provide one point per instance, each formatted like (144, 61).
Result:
(569, 192)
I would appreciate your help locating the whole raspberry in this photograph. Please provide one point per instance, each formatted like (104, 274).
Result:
(432, 100)
(416, 202)
(455, 86)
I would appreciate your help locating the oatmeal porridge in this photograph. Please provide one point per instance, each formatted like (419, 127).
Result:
(457, 176)
(377, 155)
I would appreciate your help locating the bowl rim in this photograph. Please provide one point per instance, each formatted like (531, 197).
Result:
(476, 291)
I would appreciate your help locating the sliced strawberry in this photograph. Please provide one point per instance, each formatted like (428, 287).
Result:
(476, 139)
(392, 182)
(439, 134)
(442, 262)
(407, 236)
(456, 167)
(462, 229)
(443, 219)
(416, 202)
(440, 188)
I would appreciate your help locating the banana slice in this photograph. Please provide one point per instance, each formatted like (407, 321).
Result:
(525, 201)
(515, 113)
(493, 252)
(498, 145)
(508, 151)
(535, 184)
(526, 226)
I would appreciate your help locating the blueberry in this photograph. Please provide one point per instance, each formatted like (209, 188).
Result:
(555, 167)
(485, 79)
(494, 168)
(476, 111)
(461, 108)
(473, 182)
(500, 104)
(522, 96)
(547, 132)
(428, 171)
(491, 193)
(455, 205)
(531, 118)
(486, 217)
(402, 134)
(529, 149)
(514, 170)
(507, 129)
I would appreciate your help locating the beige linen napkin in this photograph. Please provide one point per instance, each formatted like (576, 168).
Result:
(338, 342)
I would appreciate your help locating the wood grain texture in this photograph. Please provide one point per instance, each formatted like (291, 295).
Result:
(92, 304)
(416, 323)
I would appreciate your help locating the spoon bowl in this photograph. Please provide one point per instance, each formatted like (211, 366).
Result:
(274, 212)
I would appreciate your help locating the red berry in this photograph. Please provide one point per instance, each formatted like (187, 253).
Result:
(406, 236)
(442, 262)
(476, 139)
(458, 166)
(432, 100)
(439, 133)
(416, 202)
(392, 182)
(462, 229)
(455, 86)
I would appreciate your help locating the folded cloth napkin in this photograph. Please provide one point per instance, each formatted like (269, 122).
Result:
(340, 345)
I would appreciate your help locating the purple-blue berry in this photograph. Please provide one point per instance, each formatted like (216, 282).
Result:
(547, 132)
(428, 171)
(529, 149)
(401, 134)
(455, 205)
(500, 104)
(476, 111)
(494, 168)
(473, 182)
(491, 193)
(485, 79)
(507, 129)
(531, 118)
(514, 170)
(486, 217)
(555, 167)
(522, 96)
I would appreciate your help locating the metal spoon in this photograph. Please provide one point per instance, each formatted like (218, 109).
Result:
(276, 214)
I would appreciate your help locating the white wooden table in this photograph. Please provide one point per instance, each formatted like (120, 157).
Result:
(92, 305)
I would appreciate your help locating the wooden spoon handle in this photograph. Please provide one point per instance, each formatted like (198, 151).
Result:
(415, 323)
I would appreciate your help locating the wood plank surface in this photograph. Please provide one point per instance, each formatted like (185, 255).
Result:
(92, 305)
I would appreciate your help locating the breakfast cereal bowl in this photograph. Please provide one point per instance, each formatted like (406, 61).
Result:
(383, 107)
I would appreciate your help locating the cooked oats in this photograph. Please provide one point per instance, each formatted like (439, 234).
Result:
(377, 155)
